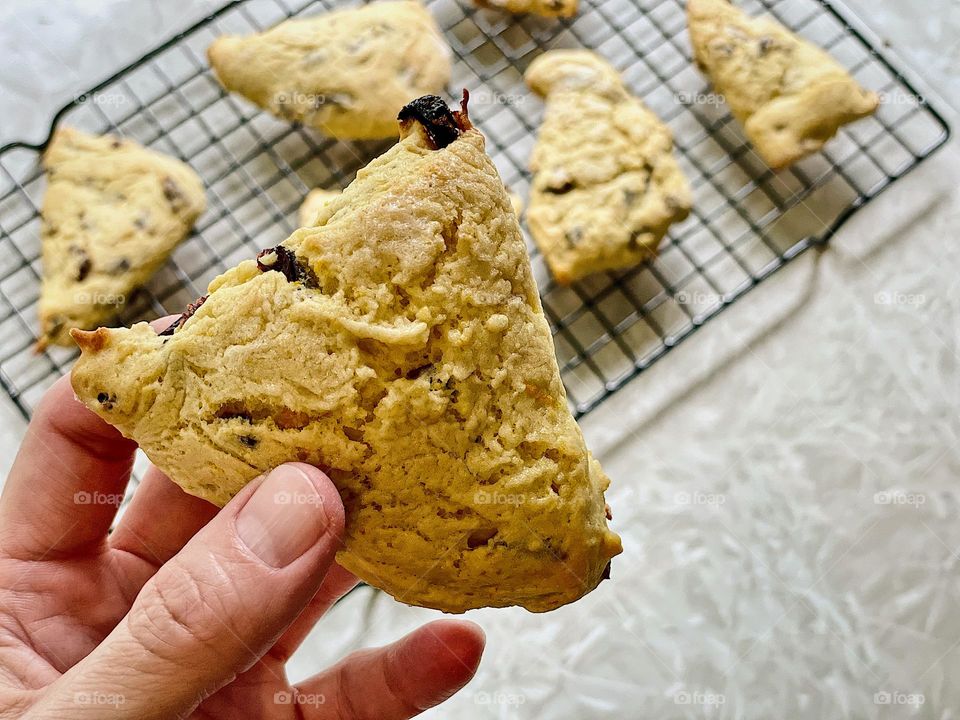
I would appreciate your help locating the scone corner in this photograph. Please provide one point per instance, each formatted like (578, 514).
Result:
(90, 340)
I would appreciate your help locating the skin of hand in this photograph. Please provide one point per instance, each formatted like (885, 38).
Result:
(183, 611)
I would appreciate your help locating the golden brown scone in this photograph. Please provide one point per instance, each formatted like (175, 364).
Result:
(398, 343)
(790, 96)
(312, 203)
(546, 8)
(516, 202)
(112, 213)
(606, 186)
(346, 72)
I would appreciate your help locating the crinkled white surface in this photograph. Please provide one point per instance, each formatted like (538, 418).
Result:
(763, 576)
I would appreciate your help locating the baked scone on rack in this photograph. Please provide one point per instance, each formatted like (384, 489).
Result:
(312, 203)
(516, 202)
(399, 343)
(789, 95)
(606, 185)
(544, 8)
(112, 213)
(346, 72)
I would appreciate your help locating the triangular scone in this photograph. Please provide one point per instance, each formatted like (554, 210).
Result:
(606, 186)
(312, 203)
(545, 8)
(112, 213)
(398, 343)
(790, 96)
(346, 72)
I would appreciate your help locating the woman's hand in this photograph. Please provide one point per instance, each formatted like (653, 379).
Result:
(183, 611)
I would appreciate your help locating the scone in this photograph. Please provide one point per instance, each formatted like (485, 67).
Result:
(606, 186)
(112, 213)
(546, 8)
(399, 344)
(312, 203)
(790, 96)
(346, 72)
(516, 202)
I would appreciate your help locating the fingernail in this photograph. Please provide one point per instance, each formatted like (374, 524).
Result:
(284, 518)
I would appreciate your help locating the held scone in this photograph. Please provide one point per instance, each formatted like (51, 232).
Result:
(346, 72)
(606, 186)
(398, 343)
(545, 8)
(790, 96)
(112, 214)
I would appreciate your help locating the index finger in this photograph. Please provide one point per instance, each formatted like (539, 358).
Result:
(67, 481)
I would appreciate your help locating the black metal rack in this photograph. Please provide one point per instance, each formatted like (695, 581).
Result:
(747, 222)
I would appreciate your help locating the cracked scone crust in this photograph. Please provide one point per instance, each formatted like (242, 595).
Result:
(112, 213)
(399, 344)
(346, 72)
(545, 8)
(606, 185)
(790, 96)
(312, 203)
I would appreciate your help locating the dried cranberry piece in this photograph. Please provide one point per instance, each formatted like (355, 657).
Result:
(442, 124)
(184, 316)
(287, 262)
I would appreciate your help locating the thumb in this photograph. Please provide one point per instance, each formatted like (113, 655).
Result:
(213, 610)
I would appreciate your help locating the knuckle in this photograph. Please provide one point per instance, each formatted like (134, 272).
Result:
(346, 707)
(357, 674)
(179, 610)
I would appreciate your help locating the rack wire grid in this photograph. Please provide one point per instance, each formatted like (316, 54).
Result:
(747, 221)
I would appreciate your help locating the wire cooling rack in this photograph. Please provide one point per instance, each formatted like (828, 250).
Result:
(747, 221)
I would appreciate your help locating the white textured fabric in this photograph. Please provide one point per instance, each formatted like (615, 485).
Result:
(785, 482)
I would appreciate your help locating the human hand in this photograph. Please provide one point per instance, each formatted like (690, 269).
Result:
(183, 611)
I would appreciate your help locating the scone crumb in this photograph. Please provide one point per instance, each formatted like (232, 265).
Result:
(424, 315)
(497, 323)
